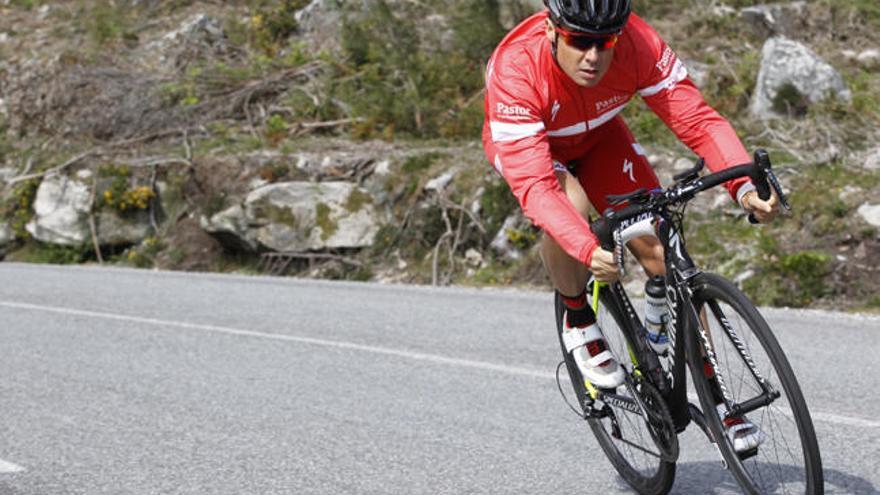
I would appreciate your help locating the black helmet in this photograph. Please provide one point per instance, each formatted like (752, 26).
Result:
(598, 17)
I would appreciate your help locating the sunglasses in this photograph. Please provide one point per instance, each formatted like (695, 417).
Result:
(585, 42)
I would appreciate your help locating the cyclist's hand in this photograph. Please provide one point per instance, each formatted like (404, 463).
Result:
(604, 267)
(764, 211)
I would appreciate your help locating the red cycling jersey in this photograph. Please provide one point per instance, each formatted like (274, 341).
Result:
(536, 114)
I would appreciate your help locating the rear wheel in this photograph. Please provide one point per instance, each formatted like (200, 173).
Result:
(788, 461)
(627, 440)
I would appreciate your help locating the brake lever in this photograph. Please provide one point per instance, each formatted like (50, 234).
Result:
(774, 182)
(777, 188)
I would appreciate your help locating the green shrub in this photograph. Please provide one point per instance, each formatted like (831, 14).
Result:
(18, 209)
(271, 25)
(394, 83)
(119, 195)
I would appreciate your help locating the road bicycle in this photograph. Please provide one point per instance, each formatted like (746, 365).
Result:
(713, 329)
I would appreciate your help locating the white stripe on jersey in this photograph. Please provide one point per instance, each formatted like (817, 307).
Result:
(678, 73)
(605, 117)
(572, 130)
(503, 132)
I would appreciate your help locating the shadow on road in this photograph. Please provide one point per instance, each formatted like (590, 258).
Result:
(711, 478)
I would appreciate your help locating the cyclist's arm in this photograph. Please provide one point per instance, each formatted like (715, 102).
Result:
(665, 87)
(516, 144)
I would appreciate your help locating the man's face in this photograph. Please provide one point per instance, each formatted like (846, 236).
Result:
(585, 67)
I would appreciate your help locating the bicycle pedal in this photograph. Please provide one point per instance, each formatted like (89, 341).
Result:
(748, 454)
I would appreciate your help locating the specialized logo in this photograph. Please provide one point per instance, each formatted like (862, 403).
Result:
(634, 220)
(513, 111)
(666, 60)
(615, 402)
(554, 111)
(628, 169)
(672, 303)
(675, 243)
(605, 104)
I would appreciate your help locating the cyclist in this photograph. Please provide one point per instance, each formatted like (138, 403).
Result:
(555, 87)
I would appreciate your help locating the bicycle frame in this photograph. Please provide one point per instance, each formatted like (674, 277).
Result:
(681, 279)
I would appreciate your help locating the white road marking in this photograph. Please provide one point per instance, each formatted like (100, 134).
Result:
(431, 358)
(7, 467)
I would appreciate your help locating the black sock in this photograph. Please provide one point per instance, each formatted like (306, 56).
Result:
(578, 313)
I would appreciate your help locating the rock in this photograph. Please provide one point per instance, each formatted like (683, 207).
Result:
(502, 244)
(870, 213)
(321, 21)
(785, 19)
(383, 168)
(298, 217)
(4, 38)
(116, 230)
(61, 209)
(872, 161)
(722, 10)
(438, 184)
(847, 192)
(230, 227)
(43, 12)
(698, 72)
(61, 212)
(787, 65)
(199, 37)
(869, 59)
(7, 236)
(7, 173)
(473, 258)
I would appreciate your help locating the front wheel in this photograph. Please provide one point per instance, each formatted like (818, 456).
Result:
(642, 452)
(753, 369)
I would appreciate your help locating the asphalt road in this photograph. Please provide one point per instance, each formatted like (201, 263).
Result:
(136, 382)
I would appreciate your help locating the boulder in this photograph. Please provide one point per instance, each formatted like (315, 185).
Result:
(61, 216)
(870, 213)
(230, 227)
(794, 69)
(118, 230)
(300, 216)
(776, 19)
(61, 209)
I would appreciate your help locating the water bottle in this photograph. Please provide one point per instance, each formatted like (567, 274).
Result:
(656, 314)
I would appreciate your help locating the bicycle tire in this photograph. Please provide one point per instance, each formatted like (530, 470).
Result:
(638, 469)
(786, 421)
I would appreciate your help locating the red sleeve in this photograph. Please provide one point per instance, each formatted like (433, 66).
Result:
(516, 143)
(665, 87)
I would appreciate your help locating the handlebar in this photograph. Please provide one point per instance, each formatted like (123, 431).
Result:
(688, 185)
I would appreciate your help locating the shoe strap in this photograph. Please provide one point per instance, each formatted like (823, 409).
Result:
(733, 430)
(573, 338)
(576, 337)
(600, 358)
